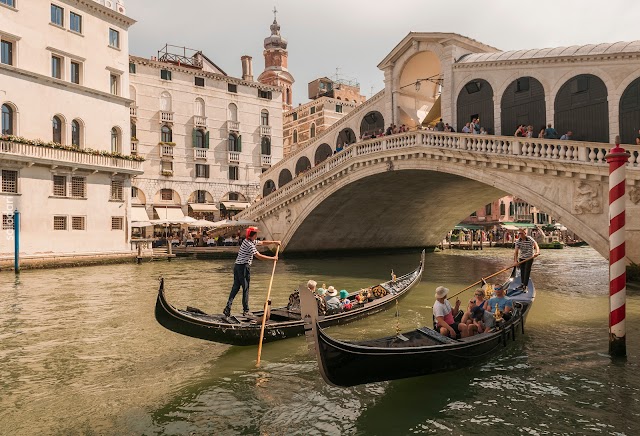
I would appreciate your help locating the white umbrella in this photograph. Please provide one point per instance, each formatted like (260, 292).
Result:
(233, 223)
(202, 223)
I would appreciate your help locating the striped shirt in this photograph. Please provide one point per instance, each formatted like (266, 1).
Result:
(525, 247)
(246, 252)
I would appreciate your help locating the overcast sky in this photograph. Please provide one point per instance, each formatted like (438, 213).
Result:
(355, 35)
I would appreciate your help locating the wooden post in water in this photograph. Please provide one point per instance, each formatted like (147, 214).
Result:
(617, 159)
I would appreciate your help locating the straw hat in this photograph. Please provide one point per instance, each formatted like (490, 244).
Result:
(332, 292)
(441, 292)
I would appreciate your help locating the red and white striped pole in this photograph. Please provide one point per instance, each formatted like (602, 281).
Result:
(617, 159)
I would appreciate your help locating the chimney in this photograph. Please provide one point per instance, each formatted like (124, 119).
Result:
(247, 68)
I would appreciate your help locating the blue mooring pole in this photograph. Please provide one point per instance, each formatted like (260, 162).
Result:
(16, 239)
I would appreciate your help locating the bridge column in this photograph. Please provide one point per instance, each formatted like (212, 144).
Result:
(516, 146)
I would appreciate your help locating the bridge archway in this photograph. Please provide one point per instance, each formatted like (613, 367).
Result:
(630, 112)
(581, 107)
(302, 165)
(475, 100)
(372, 124)
(323, 152)
(345, 137)
(419, 89)
(268, 188)
(284, 178)
(523, 103)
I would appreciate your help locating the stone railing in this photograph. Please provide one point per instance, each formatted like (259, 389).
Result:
(265, 130)
(199, 121)
(233, 156)
(166, 151)
(265, 160)
(233, 126)
(166, 117)
(591, 154)
(77, 159)
(200, 153)
(133, 111)
(134, 146)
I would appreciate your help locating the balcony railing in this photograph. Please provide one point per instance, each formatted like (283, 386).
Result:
(133, 111)
(134, 147)
(37, 154)
(265, 130)
(266, 160)
(233, 126)
(166, 151)
(234, 156)
(200, 153)
(166, 116)
(200, 121)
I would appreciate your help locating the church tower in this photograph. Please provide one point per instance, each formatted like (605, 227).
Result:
(275, 64)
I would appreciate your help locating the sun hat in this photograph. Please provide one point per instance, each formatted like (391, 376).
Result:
(441, 292)
(343, 294)
(321, 291)
(331, 291)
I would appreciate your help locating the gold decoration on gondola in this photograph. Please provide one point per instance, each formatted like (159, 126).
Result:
(378, 291)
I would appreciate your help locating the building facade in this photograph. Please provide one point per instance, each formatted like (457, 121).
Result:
(206, 137)
(65, 159)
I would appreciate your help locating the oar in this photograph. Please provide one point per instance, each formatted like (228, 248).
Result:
(266, 305)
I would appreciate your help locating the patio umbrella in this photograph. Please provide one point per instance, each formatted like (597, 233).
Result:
(233, 223)
(202, 223)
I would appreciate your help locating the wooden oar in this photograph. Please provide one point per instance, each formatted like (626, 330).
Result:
(266, 306)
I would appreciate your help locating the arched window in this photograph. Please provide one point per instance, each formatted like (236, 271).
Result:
(166, 134)
(199, 109)
(199, 135)
(233, 143)
(232, 114)
(7, 120)
(115, 140)
(288, 95)
(265, 146)
(264, 118)
(312, 134)
(295, 136)
(165, 102)
(57, 129)
(75, 133)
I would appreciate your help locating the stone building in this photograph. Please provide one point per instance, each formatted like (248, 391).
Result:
(275, 71)
(64, 151)
(206, 136)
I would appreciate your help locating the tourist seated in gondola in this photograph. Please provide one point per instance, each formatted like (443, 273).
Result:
(332, 300)
(320, 302)
(477, 301)
(503, 303)
(483, 320)
(443, 313)
(345, 303)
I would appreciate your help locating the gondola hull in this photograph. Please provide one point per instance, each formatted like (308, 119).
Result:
(411, 354)
(242, 331)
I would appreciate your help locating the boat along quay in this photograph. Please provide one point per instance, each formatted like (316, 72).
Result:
(81, 353)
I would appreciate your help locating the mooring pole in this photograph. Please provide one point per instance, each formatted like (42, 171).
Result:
(16, 241)
(617, 159)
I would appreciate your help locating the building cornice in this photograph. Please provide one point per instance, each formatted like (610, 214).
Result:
(549, 60)
(199, 73)
(96, 8)
(318, 101)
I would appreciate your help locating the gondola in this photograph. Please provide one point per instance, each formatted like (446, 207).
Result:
(283, 323)
(419, 352)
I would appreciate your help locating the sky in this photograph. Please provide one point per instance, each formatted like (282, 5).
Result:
(355, 35)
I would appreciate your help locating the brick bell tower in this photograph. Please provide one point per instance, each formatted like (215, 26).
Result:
(275, 64)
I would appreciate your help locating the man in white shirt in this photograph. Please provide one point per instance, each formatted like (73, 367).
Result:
(443, 313)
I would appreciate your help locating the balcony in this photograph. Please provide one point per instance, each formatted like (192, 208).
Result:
(167, 172)
(233, 157)
(265, 160)
(200, 153)
(233, 126)
(134, 146)
(265, 130)
(81, 159)
(199, 121)
(166, 151)
(166, 117)
(133, 111)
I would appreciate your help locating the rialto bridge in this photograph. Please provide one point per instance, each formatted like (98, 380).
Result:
(409, 189)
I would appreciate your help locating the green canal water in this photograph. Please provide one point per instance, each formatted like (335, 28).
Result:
(81, 354)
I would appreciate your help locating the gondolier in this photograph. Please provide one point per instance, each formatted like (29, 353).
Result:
(526, 248)
(241, 269)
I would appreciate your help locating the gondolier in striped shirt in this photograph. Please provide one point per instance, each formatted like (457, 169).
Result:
(241, 269)
(526, 248)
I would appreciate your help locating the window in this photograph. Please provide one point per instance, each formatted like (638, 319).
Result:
(117, 191)
(295, 136)
(114, 38)
(233, 173)
(78, 187)
(522, 84)
(199, 139)
(264, 94)
(7, 120)
(75, 22)
(60, 223)
(11, 3)
(134, 192)
(264, 118)
(57, 129)
(117, 223)
(75, 72)
(232, 88)
(56, 67)
(502, 209)
(233, 196)
(199, 81)
(10, 181)
(8, 222)
(487, 209)
(7, 53)
(60, 186)
(115, 140)
(57, 15)
(265, 146)
(294, 116)
(312, 134)
(77, 223)
(202, 171)
(134, 131)
(166, 166)
(166, 135)
(312, 110)
(166, 194)
(339, 108)
(234, 143)
(165, 74)
(75, 133)
(201, 196)
(113, 84)
(132, 68)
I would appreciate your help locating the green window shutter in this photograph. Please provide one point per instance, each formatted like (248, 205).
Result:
(240, 143)
(194, 139)
(206, 140)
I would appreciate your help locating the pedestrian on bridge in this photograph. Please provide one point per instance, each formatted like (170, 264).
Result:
(526, 248)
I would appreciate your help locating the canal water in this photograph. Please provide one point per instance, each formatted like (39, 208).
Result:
(81, 354)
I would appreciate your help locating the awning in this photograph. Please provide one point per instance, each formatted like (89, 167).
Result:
(139, 213)
(235, 205)
(170, 213)
(141, 224)
(468, 227)
(510, 225)
(203, 207)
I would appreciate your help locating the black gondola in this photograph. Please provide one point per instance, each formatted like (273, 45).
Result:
(282, 323)
(419, 352)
